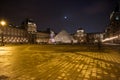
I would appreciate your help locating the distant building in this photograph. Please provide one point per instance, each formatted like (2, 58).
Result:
(113, 28)
(94, 37)
(80, 36)
(42, 37)
(26, 33)
(14, 35)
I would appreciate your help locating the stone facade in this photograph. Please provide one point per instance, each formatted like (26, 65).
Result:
(112, 32)
(95, 37)
(25, 34)
(80, 36)
(14, 35)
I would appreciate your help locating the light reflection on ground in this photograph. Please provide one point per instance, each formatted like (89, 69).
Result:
(6, 50)
(50, 62)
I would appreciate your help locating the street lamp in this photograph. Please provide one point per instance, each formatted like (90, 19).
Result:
(2, 24)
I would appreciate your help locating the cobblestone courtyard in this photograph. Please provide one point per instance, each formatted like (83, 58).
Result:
(58, 62)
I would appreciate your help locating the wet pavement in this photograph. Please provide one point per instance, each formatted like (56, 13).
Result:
(38, 62)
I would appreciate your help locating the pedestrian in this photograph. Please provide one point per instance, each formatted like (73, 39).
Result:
(99, 45)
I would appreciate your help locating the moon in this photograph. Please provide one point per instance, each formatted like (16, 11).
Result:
(65, 17)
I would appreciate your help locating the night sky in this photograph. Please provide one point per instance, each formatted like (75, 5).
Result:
(91, 15)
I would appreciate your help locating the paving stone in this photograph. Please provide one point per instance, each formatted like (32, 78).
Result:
(38, 64)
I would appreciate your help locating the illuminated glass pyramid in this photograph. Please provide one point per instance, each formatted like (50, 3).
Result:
(63, 37)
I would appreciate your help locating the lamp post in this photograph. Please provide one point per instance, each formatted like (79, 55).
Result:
(2, 24)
